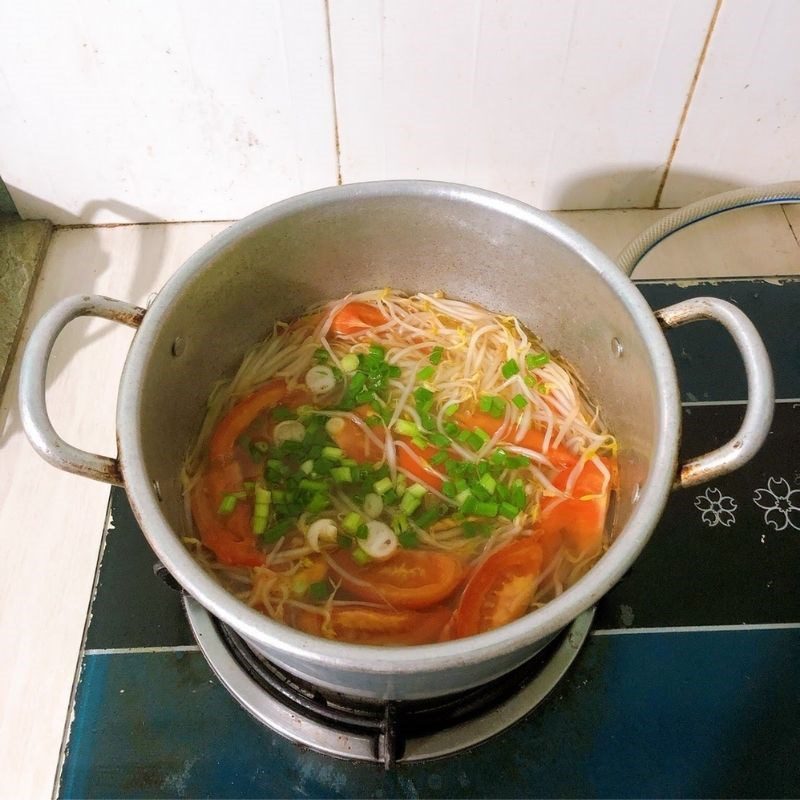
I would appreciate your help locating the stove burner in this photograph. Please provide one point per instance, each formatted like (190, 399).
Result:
(387, 732)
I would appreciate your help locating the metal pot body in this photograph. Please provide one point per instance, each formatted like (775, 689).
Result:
(412, 236)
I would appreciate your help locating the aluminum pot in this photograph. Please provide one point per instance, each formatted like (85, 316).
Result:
(413, 236)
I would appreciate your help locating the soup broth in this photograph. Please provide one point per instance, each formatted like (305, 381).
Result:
(399, 470)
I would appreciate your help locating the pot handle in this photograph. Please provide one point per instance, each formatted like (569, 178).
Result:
(32, 385)
(760, 390)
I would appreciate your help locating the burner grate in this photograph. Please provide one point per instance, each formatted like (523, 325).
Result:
(383, 732)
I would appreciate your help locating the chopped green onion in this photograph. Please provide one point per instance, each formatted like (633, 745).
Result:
(319, 591)
(408, 539)
(342, 474)
(463, 496)
(519, 400)
(518, 497)
(530, 382)
(510, 368)
(382, 486)
(423, 397)
(376, 353)
(488, 483)
(406, 428)
(360, 557)
(436, 355)
(279, 530)
(362, 531)
(507, 510)
(469, 506)
(428, 422)
(228, 504)
(419, 442)
(373, 420)
(451, 409)
(486, 509)
(281, 413)
(262, 495)
(485, 403)
(393, 371)
(258, 525)
(417, 490)
(474, 440)
(498, 407)
(438, 458)
(349, 363)
(427, 518)
(471, 528)
(409, 504)
(313, 486)
(249, 486)
(322, 466)
(400, 485)
(534, 360)
(333, 453)
(373, 504)
(317, 503)
(425, 373)
(351, 522)
(321, 355)
(307, 466)
(449, 489)
(515, 462)
(439, 439)
(463, 435)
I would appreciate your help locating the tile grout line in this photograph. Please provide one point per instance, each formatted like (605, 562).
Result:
(113, 651)
(742, 627)
(336, 140)
(687, 103)
(789, 223)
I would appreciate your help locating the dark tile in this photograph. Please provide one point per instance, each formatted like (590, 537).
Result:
(695, 573)
(132, 607)
(709, 366)
(642, 715)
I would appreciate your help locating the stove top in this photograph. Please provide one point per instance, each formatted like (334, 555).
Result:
(686, 685)
(384, 733)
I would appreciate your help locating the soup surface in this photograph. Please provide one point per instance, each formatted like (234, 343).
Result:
(396, 470)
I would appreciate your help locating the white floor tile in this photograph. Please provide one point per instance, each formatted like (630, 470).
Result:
(51, 522)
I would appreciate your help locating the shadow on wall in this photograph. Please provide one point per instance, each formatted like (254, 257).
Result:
(620, 184)
(84, 276)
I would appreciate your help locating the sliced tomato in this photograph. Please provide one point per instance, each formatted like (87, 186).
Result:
(356, 317)
(419, 466)
(580, 519)
(241, 417)
(409, 579)
(359, 625)
(500, 590)
(229, 538)
(356, 444)
(533, 439)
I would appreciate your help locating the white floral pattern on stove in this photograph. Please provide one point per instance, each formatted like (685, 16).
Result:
(716, 508)
(781, 504)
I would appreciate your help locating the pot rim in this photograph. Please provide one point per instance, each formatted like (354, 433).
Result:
(393, 660)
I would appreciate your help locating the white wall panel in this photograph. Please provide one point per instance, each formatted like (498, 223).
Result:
(162, 109)
(743, 125)
(563, 104)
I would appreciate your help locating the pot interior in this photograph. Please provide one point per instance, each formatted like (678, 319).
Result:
(469, 244)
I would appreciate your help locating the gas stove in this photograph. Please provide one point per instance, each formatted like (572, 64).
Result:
(683, 683)
(388, 732)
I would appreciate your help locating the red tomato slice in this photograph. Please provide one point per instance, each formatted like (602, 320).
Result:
(376, 626)
(241, 417)
(229, 538)
(409, 579)
(580, 522)
(356, 317)
(533, 439)
(500, 590)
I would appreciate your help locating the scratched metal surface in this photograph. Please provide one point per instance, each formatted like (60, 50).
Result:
(652, 706)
